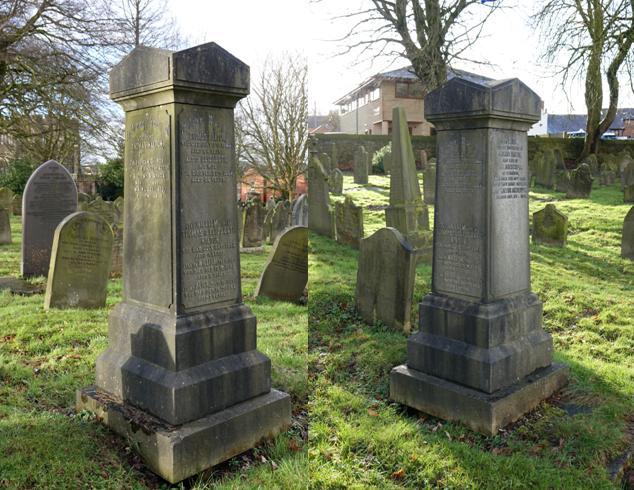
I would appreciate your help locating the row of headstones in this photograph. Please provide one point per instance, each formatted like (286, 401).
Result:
(549, 170)
(259, 223)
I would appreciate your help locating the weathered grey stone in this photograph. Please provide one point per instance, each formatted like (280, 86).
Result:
(593, 163)
(406, 212)
(80, 262)
(253, 234)
(182, 345)
(112, 212)
(299, 215)
(580, 182)
(349, 222)
(281, 218)
(481, 355)
(387, 162)
(320, 214)
(268, 222)
(6, 198)
(5, 226)
(325, 162)
(627, 181)
(240, 208)
(627, 240)
(360, 166)
(20, 286)
(105, 209)
(545, 174)
(607, 177)
(286, 272)
(429, 183)
(626, 169)
(334, 157)
(550, 226)
(83, 198)
(423, 159)
(17, 205)
(385, 279)
(49, 196)
(336, 182)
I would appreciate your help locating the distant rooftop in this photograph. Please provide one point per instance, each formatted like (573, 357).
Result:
(406, 74)
(567, 123)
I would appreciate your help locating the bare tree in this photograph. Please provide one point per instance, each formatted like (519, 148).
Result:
(274, 124)
(594, 40)
(431, 34)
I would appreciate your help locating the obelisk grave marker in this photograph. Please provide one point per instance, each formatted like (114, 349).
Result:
(182, 343)
(481, 355)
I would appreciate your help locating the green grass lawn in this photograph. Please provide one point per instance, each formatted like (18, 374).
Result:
(46, 355)
(359, 439)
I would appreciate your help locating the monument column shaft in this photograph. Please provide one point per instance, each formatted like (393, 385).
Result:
(481, 242)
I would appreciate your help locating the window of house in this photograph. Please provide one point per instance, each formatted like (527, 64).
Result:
(401, 89)
(375, 94)
(409, 90)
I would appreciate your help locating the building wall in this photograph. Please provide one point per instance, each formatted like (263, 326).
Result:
(361, 120)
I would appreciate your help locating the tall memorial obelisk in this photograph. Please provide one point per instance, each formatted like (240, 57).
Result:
(481, 355)
(182, 377)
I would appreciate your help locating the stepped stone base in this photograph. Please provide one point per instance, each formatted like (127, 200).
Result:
(482, 412)
(178, 452)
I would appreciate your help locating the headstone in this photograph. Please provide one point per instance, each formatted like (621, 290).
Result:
(607, 177)
(6, 198)
(5, 226)
(269, 210)
(360, 168)
(281, 219)
(17, 205)
(80, 262)
(182, 379)
(112, 212)
(349, 222)
(550, 226)
(423, 159)
(545, 175)
(429, 183)
(627, 182)
(627, 240)
(336, 182)
(19, 286)
(299, 215)
(321, 219)
(626, 169)
(387, 162)
(334, 157)
(253, 234)
(593, 163)
(385, 279)
(240, 209)
(406, 212)
(325, 161)
(580, 184)
(83, 198)
(286, 272)
(49, 196)
(481, 356)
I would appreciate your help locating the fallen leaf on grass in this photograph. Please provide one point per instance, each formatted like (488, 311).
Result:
(293, 446)
(398, 474)
(372, 413)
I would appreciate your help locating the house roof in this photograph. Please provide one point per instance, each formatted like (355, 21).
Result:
(567, 123)
(405, 74)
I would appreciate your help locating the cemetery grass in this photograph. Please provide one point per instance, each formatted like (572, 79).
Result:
(46, 356)
(573, 440)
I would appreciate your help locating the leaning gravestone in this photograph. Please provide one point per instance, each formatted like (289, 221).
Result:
(429, 183)
(286, 272)
(320, 215)
(481, 356)
(5, 226)
(80, 262)
(182, 379)
(299, 215)
(49, 196)
(627, 240)
(580, 183)
(6, 198)
(281, 219)
(407, 212)
(550, 226)
(360, 166)
(385, 279)
(349, 222)
(336, 182)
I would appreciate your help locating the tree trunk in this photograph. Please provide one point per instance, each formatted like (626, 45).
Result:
(594, 98)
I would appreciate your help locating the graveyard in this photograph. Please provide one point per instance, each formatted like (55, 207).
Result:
(46, 355)
(580, 437)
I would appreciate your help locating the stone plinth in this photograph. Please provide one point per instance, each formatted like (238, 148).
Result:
(182, 345)
(481, 355)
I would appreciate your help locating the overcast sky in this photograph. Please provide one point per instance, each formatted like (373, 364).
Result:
(253, 29)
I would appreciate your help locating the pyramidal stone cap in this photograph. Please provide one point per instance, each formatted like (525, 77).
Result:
(504, 99)
(207, 68)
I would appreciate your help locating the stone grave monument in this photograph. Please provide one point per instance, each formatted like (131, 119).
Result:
(80, 262)
(360, 167)
(182, 379)
(580, 182)
(385, 279)
(387, 162)
(336, 182)
(281, 218)
(407, 212)
(49, 196)
(299, 214)
(481, 356)
(286, 272)
(5, 226)
(6, 198)
(254, 214)
(627, 239)
(320, 215)
(429, 183)
(349, 222)
(17, 205)
(550, 226)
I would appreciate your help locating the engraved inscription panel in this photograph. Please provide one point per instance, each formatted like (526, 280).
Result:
(147, 238)
(208, 235)
(459, 231)
(509, 213)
